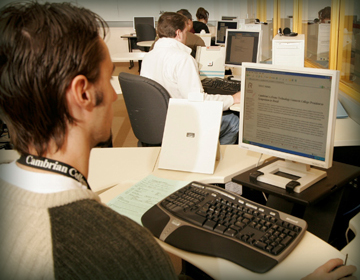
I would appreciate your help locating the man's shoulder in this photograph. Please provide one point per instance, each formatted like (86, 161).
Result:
(195, 39)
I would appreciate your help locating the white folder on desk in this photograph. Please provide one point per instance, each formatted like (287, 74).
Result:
(191, 136)
(211, 61)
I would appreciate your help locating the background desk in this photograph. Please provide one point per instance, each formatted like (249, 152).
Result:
(132, 40)
(124, 57)
(145, 43)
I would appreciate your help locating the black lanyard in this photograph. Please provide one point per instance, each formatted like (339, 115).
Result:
(53, 166)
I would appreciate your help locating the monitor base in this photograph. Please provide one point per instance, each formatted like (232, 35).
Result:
(292, 176)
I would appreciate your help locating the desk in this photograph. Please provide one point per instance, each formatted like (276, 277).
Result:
(147, 44)
(129, 165)
(321, 205)
(132, 40)
(233, 161)
(124, 57)
(347, 131)
(140, 162)
(307, 256)
(112, 166)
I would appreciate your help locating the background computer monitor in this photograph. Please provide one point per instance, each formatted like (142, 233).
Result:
(289, 113)
(221, 27)
(228, 17)
(242, 46)
(144, 20)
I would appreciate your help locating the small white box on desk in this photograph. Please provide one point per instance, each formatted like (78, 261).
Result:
(191, 136)
(288, 50)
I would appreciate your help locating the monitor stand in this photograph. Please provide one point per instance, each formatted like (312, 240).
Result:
(236, 73)
(289, 175)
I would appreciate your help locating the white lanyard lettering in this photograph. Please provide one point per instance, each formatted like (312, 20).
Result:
(53, 166)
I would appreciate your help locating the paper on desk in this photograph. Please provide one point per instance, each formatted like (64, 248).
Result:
(135, 201)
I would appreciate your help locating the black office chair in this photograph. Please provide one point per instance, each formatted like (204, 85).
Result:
(145, 32)
(146, 102)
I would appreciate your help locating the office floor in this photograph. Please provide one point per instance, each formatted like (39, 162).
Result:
(123, 135)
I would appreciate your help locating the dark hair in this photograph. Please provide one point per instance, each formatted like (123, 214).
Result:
(169, 22)
(202, 13)
(325, 13)
(42, 48)
(185, 12)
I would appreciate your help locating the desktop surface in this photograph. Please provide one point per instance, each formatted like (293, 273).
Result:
(305, 258)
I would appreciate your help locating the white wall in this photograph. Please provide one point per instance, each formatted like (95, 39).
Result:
(125, 10)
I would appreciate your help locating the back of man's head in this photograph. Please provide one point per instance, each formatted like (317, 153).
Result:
(168, 23)
(186, 13)
(42, 48)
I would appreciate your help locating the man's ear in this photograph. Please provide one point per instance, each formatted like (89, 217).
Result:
(79, 91)
(178, 34)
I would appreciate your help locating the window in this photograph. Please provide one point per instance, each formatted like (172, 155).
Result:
(316, 25)
(348, 51)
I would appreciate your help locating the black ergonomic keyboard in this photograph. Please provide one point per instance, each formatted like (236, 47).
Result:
(212, 221)
(220, 86)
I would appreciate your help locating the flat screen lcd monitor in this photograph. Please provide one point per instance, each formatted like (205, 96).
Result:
(221, 28)
(289, 113)
(144, 20)
(242, 46)
(228, 17)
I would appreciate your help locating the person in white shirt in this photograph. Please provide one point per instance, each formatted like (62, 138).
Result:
(171, 65)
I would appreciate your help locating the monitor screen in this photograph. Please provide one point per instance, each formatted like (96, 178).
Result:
(144, 20)
(289, 113)
(221, 28)
(242, 46)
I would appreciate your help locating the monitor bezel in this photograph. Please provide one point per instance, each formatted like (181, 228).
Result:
(247, 31)
(327, 163)
(134, 18)
(229, 18)
(217, 29)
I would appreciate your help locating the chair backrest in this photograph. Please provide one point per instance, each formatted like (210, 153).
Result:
(145, 32)
(146, 102)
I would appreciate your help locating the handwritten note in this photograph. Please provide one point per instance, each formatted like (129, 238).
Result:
(135, 201)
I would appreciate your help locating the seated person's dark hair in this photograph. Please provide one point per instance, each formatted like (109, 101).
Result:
(169, 22)
(48, 46)
(202, 13)
(185, 12)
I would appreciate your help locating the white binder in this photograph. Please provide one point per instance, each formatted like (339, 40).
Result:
(191, 136)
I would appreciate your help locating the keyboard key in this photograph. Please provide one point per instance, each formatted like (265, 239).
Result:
(209, 224)
(277, 249)
(286, 240)
(260, 244)
(220, 228)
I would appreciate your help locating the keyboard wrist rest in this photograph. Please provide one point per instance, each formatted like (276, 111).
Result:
(189, 238)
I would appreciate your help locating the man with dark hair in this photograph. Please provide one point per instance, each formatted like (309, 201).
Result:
(56, 99)
(171, 65)
(192, 41)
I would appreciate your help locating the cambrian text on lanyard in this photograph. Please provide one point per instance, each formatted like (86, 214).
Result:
(53, 166)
